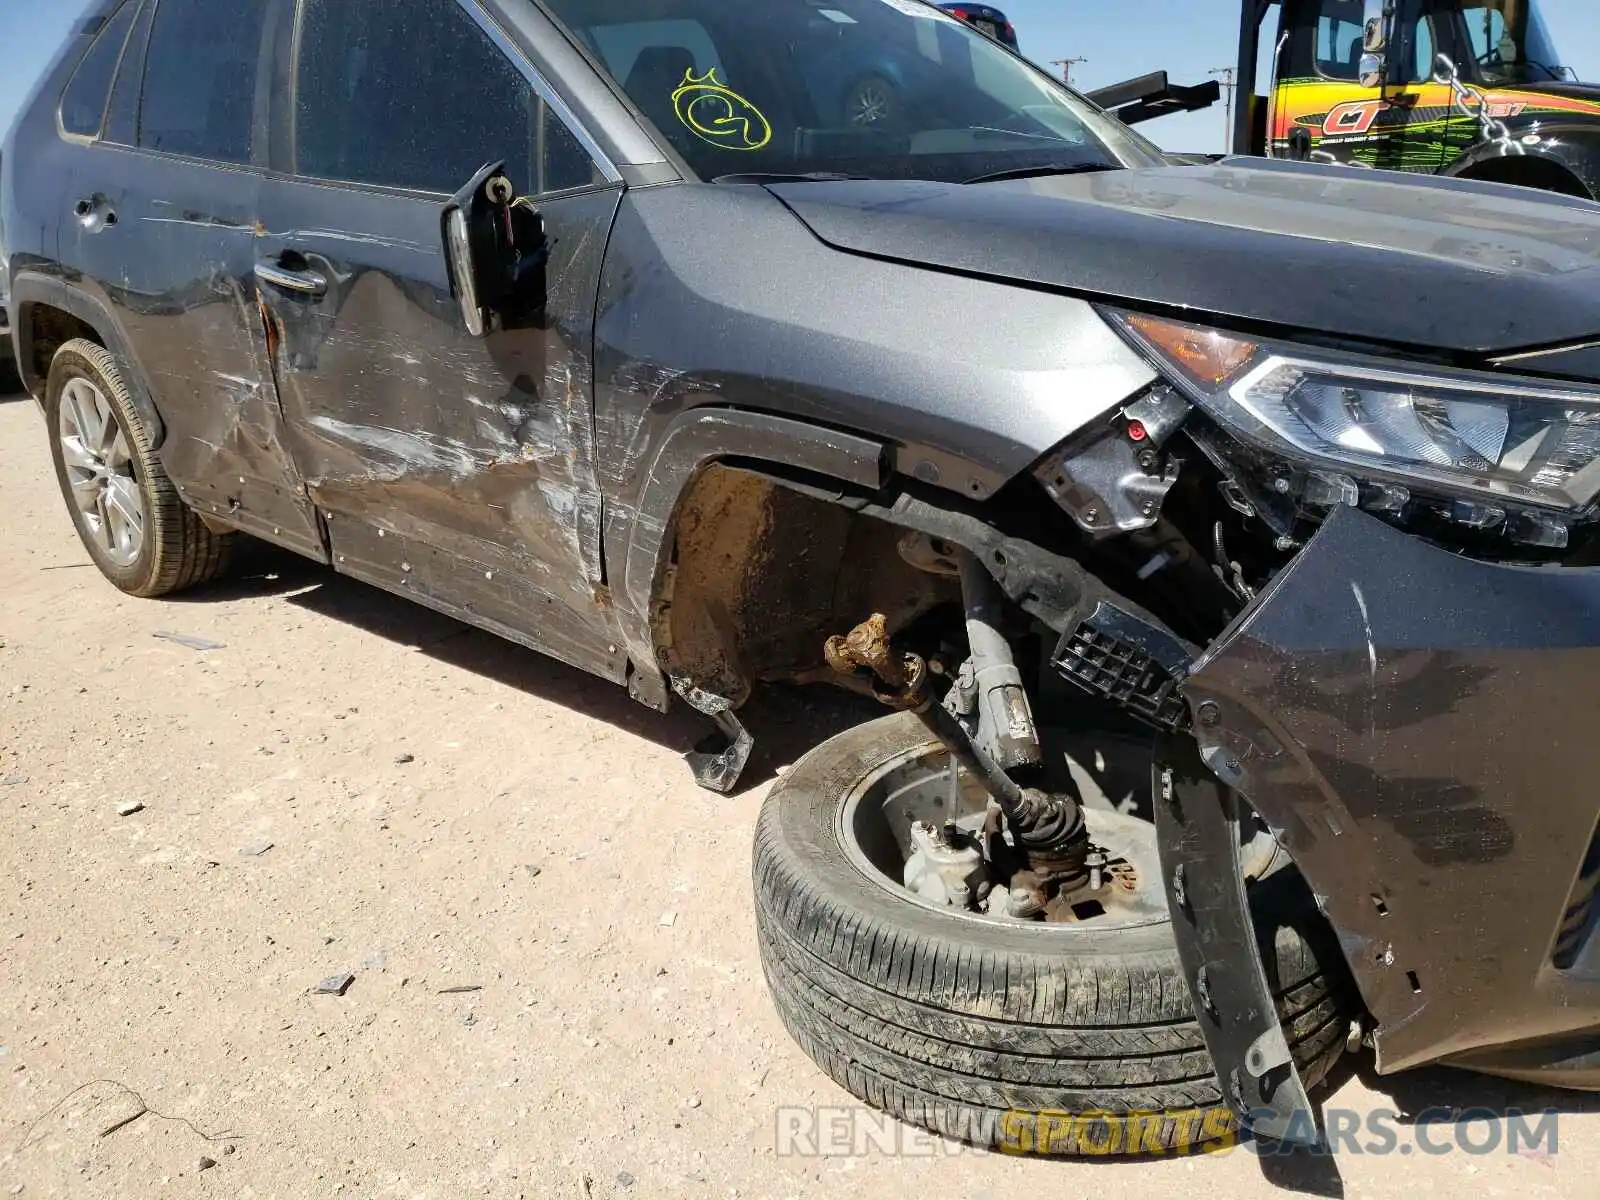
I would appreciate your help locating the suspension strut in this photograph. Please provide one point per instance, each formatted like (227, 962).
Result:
(1047, 828)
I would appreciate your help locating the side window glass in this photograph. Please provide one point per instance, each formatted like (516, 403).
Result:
(1486, 31)
(564, 163)
(200, 78)
(1340, 31)
(370, 109)
(83, 104)
(122, 114)
(1422, 42)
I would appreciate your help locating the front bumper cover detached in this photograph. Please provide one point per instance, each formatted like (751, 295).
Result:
(1422, 732)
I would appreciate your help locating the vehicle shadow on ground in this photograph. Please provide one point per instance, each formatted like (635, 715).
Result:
(785, 721)
(1429, 1096)
(1419, 1095)
(1439, 1097)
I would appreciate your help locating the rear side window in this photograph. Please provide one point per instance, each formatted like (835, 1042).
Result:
(200, 78)
(122, 114)
(84, 102)
(371, 108)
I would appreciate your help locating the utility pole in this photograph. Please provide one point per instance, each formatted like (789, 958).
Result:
(1227, 75)
(1066, 67)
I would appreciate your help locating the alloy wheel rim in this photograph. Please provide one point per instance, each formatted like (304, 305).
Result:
(871, 105)
(100, 472)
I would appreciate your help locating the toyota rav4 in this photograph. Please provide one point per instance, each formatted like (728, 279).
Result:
(1222, 535)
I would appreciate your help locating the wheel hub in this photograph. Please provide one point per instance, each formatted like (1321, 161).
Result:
(935, 842)
(909, 830)
(100, 472)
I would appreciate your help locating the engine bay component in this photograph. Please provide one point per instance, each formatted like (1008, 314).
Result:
(1117, 482)
(1155, 416)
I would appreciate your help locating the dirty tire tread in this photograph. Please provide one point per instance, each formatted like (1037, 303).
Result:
(952, 1024)
(180, 552)
(961, 1074)
(1055, 1043)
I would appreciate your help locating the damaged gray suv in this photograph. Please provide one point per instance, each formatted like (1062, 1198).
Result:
(1221, 535)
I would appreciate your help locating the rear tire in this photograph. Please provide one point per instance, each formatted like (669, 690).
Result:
(1060, 1039)
(173, 548)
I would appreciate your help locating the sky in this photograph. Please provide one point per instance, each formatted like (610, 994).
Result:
(1119, 38)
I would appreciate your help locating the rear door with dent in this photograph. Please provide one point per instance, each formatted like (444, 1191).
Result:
(159, 224)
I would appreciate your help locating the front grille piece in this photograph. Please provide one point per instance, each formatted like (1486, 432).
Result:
(1578, 921)
(1117, 657)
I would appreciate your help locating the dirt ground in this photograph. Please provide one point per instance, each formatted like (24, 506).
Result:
(347, 783)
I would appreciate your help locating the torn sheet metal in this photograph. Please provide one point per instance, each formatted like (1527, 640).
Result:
(424, 445)
(1419, 729)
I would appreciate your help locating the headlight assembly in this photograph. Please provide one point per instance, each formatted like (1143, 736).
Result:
(1467, 434)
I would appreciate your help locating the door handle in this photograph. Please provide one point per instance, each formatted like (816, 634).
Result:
(304, 282)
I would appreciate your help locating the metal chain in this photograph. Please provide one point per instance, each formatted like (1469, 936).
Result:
(1490, 128)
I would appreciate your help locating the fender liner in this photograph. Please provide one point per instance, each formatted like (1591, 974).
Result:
(1197, 833)
(691, 442)
(30, 289)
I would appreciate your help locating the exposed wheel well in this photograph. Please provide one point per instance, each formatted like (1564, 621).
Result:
(1524, 171)
(761, 574)
(48, 329)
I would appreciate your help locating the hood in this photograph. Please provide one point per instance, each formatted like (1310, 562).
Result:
(1475, 269)
(1564, 89)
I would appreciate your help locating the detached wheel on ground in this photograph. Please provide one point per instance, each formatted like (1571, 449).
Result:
(988, 1029)
(139, 532)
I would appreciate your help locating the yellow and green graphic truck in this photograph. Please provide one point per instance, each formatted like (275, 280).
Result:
(1467, 88)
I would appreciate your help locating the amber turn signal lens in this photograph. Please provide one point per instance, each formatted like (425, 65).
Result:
(1206, 356)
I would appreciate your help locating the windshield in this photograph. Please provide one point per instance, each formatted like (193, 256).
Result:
(876, 88)
(1510, 42)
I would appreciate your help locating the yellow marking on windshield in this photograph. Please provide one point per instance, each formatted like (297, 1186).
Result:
(715, 113)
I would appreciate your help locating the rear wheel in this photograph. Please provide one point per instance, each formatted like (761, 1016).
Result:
(1069, 1037)
(130, 518)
